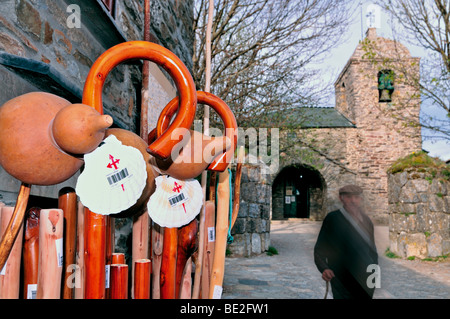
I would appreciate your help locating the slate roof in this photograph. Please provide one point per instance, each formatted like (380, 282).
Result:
(311, 117)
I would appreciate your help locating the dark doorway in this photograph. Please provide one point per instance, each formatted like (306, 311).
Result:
(291, 192)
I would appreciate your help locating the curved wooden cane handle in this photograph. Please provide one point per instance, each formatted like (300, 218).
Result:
(92, 93)
(221, 162)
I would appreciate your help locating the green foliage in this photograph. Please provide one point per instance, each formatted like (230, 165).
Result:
(388, 253)
(272, 251)
(418, 160)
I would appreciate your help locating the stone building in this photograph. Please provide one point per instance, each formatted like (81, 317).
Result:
(50, 46)
(356, 141)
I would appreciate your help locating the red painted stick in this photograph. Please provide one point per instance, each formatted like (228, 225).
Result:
(30, 253)
(67, 201)
(119, 281)
(142, 272)
(94, 255)
(169, 263)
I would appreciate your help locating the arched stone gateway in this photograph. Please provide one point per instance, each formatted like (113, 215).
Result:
(298, 191)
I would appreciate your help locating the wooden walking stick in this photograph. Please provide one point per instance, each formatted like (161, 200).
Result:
(119, 281)
(51, 250)
(94, 255)
(10, 273)
(118, 258)
(109, 244)
(187, 245)
(169, 263)
(186, 281)
(223, 206)
(140, 240)
(15, 223)
(158, 244)
(31, 253)
(237, 185)
(79, 267)
(142, 274)
(210, 231)
(67, 201)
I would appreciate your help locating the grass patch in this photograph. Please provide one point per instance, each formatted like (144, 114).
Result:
(388, 253)
(419, 160)
(272, 251)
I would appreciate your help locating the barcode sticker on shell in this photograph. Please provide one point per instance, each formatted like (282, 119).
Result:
(178, 199)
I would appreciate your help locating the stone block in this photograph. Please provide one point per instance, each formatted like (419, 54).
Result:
(29, 18)
(240, 226)
(445, 247)
(416, 245)
(256, 244)
(434, 242)
(254, 211)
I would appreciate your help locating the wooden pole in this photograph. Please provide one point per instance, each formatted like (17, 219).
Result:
(158, 244)
(94, 255)
(223, 204)
(118, 258)
(51, 250)
(187, 245)
(168, 264)
(142, 274)
(119, 281)
(210, 231)
(67, 201)
(31, 253)
(10, 273)
(186, 281)
(10, 234)
(199, 260)
(79, 267)
(109, 243)
(237, 185)
(140, 239)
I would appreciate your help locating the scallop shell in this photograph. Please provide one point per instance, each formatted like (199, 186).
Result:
(175, 202)
(113, 178)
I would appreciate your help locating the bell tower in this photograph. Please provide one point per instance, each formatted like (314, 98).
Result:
(374, 92)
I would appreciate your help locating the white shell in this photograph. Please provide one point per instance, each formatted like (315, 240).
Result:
(175, 202)
(113, 178)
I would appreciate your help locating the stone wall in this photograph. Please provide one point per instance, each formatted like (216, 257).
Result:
(419, 213)
(251, 231)
(39, 32)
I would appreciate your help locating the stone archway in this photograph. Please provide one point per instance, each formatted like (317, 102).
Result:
(298, 191)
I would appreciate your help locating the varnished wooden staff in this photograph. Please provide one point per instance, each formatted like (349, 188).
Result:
(199, 260)
(186, 281)
(222, 222)
(119, 281)
(15, 224)
(157, 244)
(79, 270)
(140, 239)
(118, 258)
(10, 278)
(94, 255)
(51, 250)
(109, 244)
(30, 253)
(187, 245)
(210, 231)
(142, 275)
(237, 185)
(169, 263)
(67, 201)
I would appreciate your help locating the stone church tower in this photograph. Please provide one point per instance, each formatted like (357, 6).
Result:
(376, 93)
